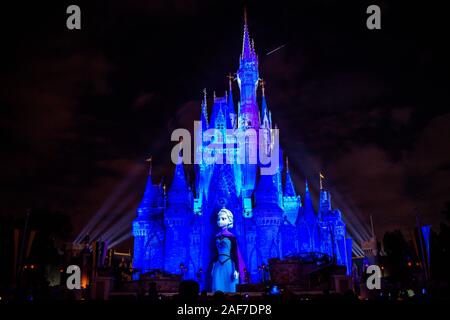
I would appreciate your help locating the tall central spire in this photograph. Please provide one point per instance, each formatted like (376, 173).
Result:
(246, 46)
(247, 77)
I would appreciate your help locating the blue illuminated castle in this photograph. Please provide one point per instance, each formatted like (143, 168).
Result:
(174, 230)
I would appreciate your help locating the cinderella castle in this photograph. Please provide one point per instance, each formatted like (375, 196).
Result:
(174, 230)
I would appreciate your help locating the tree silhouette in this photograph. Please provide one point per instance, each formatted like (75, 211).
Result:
(51, 229)
(399, 253)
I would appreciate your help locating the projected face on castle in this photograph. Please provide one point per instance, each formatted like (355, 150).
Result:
(225, 219)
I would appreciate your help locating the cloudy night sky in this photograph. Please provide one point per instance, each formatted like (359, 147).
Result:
(81, 110)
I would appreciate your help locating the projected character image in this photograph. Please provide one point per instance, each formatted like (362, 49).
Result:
(228, 263)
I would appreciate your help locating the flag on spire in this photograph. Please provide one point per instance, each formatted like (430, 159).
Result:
(321, 178)
(150, 166)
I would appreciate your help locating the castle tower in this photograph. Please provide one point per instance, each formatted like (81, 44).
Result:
(248, 117)
(266, 123)
(176, 220)
(231, 109)
(247, 77)
(203, 169)
(268, 215)
(291, 205)
(233, 149)
(333, 233)
(307, 225)
(148, 229)
(291, 201)
(324, 198)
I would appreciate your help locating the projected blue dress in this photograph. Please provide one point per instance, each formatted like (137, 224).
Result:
(225, 266)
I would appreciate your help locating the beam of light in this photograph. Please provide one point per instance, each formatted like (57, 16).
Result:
(357, 229)
(126, 225)
(120, 240)
(119, 235)
(110, 201)
(122, 224)
(356, 249)
(105, 224)
(276, 49)
(352, 217)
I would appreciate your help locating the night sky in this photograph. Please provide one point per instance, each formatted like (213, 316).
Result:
(81, 110)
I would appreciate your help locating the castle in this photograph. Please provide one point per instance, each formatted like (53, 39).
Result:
(174, 230)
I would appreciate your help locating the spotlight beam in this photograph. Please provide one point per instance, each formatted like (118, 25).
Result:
(122, 224)
(110, 201)
(120, 240)
(103, 225)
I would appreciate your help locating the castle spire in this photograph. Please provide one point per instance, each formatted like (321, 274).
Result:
(264, 108)
(150, 165)
(308, 212)
(263, 87)
(204, 115)
(245, 15)
(179, 189)
(230, 80)
(204, 100)
(246, 45)
(247, 78)
(231, 111)
(148, 199)
(321, 178)
(289, 190)
(324, 198)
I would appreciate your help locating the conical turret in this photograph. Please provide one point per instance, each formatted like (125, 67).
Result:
(150, 197)
(179, 191)
(289, 190)
(308, 210)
